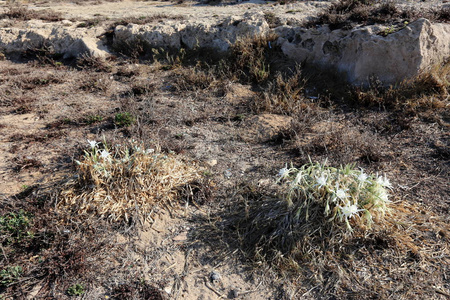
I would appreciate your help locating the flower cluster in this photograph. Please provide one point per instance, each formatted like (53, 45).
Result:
(102, 161)
(119, 182)
(346, 194)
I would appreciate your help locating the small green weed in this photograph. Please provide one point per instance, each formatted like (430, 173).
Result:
(76, 290)
(10, 275)
(124, 119)
(15, 226)
(91, 119)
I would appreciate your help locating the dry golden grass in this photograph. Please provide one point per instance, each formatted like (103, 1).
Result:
(127, 184)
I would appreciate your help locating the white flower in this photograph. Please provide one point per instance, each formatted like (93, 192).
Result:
(148, 151)
(93, 144)
(383, 196)
(321, 181)
(341, 194)
(349, 211)
(104, 154)
(383, 181)
(284, 172)
(362, 177)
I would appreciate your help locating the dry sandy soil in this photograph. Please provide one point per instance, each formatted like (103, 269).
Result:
(50, 108)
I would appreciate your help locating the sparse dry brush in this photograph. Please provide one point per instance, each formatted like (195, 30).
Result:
(125, 182)
(429, 90)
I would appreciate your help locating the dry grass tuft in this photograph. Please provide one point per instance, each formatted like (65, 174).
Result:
(284, 94)
(253, 57)
(94, 83)
(97, 64)
(124, 183)
(428, 90)
(194, 79)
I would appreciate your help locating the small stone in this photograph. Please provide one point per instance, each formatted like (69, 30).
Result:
(168, 289)
(215, 277)
(227, 174)
(233, 294)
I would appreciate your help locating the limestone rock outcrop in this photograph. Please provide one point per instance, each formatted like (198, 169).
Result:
(361, 53)
(59, 38)
(193, 34)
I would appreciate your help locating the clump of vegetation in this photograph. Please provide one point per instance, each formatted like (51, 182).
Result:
(137, 290)
(10, 275)
(125, 182)
(92, 119)
(320, 207)
(15, 227)
(253, 57)
(284, 94)
(94, 82)
(76, 290)
(430, 89)
(89, 62)
(124, 119)
(193, 79)
(135, 49)
(345, 194)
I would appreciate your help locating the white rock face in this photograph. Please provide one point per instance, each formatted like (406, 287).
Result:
(361, 53)
(72, 42)
(193, 34)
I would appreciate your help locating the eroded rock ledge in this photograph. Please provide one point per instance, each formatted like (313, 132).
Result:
(359, 53)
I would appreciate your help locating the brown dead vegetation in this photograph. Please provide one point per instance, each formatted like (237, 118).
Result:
(346, 14)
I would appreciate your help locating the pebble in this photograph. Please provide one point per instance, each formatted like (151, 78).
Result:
(215, 277)
(227, 174)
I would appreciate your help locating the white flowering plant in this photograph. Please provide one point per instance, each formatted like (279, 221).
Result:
(347, 195)
(125, 181)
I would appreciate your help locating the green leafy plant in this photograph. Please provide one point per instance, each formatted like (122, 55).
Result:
(15, 226)
(10, 275)
(389, 30)
(124, 119)
(76, 290)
